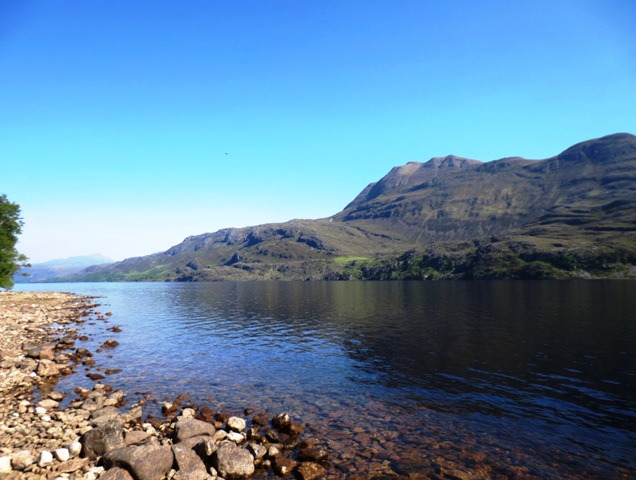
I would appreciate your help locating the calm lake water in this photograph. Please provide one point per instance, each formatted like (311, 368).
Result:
(513, 379)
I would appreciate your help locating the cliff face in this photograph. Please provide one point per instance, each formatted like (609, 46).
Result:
(453, 217)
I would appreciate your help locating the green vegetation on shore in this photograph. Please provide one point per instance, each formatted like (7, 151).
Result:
(10, 227)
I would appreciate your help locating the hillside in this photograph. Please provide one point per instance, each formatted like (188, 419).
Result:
(571, 215)
(53, 269)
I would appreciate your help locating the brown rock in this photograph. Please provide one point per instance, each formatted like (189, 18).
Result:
(284, 466)
(116, 474)
(48, 368)
(310, 471)
(312, 454)
(100, 440)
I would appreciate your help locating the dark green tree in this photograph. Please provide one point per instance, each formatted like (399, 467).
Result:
(10, 227)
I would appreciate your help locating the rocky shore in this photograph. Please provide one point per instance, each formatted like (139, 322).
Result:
(97, 435)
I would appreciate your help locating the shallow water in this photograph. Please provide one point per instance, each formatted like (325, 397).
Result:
(512, 379)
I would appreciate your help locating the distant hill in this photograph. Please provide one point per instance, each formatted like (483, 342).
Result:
(53, 269)
(571, 215)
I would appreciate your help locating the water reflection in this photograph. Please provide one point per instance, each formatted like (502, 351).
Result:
(495, 367)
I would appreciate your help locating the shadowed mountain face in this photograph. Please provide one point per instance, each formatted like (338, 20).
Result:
(570, 215)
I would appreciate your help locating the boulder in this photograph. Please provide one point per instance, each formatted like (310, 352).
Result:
(136, 437)
(191, 427)
(232, 461)
(100, 440)
(310, 471)
(188, 463)
(144, 462)
(116, 474)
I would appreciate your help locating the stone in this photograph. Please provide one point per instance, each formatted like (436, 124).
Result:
(45, 459)
(188, 413)
(260, 419)
(310, 471)
(72, 465)
(135, 437)
(94, 401)
(284, 466)
(22, 460)
(273, 451)
(191, 427)
(100, 440)
(188, 463)
(110, 343)
(5, 464)
(74, 448)
(48, 404)
(236, 423)
(116, 474)
(111, 412)
(47, 352)
(144, 462)
(257, 450)
(312, 454)
(236, 437)
(47, 368)
(232, 461)
(62, 454)
(281, 421)
(57, 396)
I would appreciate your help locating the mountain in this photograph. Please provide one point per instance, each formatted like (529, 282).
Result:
(53, 269)
(571, 215)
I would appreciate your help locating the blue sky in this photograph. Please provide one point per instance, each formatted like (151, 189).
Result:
(126, 126)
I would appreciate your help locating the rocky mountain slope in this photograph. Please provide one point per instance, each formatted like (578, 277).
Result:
(572, 215)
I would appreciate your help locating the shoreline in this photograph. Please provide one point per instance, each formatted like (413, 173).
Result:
(99, 436)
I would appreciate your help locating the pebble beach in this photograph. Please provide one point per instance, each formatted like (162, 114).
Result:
(97, 434)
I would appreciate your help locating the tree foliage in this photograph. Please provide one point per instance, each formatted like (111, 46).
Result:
(10, 227)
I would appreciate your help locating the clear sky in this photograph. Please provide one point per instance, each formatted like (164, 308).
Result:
(126, 126)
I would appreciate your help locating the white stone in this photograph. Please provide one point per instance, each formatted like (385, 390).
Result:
(236, 423)
(188, 413)
(235, 437)
(40, 410)
(74, 448)
(45, 459)
(5, 464)
(62, 454)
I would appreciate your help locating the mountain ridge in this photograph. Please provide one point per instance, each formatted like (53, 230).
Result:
(570, 215)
